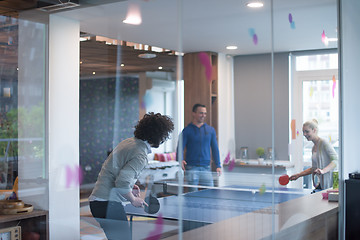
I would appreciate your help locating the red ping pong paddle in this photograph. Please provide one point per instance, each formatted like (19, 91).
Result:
(284, 179)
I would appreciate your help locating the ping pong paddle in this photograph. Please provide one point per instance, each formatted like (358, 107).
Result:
(153, 203)
(284, 179)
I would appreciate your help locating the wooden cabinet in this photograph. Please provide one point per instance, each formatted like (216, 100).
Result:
(200, 88)
(34, 223)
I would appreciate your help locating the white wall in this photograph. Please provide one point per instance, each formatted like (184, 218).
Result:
(252, 87)
(350, 85)
(63, 123)
(350, 98)
(226, 119)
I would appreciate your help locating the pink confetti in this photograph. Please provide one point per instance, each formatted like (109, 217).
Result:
(205, 60)
(255, 39)
(227, 159)
(232, 164)
(156, 233)
(75, 176)
(323, 36)
(334, 86)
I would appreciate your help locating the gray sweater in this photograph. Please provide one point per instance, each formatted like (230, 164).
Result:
(323, 156)
(121, 170)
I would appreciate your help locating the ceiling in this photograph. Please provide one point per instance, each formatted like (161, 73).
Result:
(201, 25)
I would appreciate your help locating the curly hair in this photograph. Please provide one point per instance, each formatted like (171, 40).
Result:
(154, 128)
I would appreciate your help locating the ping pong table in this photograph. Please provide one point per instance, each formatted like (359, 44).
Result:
(214, 205)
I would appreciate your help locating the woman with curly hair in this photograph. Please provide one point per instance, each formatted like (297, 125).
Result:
(116, 180)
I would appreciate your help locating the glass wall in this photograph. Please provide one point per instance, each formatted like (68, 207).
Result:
(24, 175)
(86, 73)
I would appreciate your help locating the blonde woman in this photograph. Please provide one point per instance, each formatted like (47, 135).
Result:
(324, 158)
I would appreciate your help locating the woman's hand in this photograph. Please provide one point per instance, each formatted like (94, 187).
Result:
(138, 202)
(136, 191)
(319, 171)
(294, 177)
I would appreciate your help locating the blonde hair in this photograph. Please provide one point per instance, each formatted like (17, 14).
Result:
(313, 124)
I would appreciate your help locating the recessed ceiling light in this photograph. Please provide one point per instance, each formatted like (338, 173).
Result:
(147, 55)
(133, 15)
(94, 73)
(134, 20)
(122, 65)
(160, 67)
(231, 47)
(255, 4)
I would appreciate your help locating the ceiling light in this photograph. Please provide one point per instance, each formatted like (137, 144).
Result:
(231, 47)
(133, 15)
(255, 4)
(134, 20)
(147, 55)
(160, 67)
(122, 65)
(82, 39)
(93, 73)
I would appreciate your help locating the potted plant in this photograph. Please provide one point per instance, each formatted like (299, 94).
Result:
(260, 152)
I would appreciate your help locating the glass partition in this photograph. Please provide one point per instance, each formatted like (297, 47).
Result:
(237, 81)
(24, 176)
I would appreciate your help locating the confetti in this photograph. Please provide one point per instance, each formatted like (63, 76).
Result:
(311, 91)
(156, 233)
(292, 25)
(255, 39)
(251, 32)
(231, 165)
(290, 18)
(227, 158)
(205, 60)
(323, 36)
(253, 35)
(75, 176)
(262, 189)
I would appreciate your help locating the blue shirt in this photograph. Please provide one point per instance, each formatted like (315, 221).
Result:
(198, 142)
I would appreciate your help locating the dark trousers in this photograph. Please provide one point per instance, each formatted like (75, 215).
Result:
(112, 218)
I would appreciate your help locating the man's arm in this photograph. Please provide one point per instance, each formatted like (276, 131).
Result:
(215, 152)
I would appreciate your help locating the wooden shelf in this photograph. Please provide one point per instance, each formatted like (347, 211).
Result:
(198, 89)
(35, 221)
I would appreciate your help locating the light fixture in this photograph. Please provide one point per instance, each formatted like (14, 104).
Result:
(122, 65)
(93, 73)
(147, 55)
(160, 67)
(133, 15)
(134, 20)
(231, 47)
(254, 4)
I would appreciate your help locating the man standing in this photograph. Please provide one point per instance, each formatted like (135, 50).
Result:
(198, 138)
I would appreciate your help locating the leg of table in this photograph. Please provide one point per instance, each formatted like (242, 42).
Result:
(131, 226)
